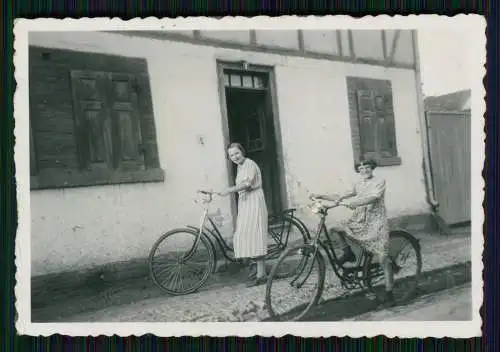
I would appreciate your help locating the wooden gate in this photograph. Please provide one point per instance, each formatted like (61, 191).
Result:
(450, 154)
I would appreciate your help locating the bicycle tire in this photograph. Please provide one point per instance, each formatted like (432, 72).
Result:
(210, 261)
(413, 280)
(316, 256)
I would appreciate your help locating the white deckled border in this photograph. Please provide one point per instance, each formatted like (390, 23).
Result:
(353, 329)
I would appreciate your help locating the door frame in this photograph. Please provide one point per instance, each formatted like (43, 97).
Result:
(244, 66)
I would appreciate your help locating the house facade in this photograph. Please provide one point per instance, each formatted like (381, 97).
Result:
(125, 127)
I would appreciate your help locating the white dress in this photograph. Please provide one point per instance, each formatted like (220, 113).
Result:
(250, 237)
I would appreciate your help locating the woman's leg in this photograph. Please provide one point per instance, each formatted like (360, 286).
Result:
(348, 255)
(251, 267)
(260, 276)
(261, 268)
(388, 273)
(389, 279)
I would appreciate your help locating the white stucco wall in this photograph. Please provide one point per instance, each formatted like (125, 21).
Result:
(82, 227)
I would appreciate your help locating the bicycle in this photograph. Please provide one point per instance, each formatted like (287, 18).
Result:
(365, 274)
(193, 253)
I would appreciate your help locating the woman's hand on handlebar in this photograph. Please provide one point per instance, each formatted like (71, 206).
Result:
(346, 205)
(206, 191)
(327, 204)
(331, 204)
(315, 197)
(212, 192)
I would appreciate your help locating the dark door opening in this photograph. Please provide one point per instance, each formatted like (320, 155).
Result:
(251, 123)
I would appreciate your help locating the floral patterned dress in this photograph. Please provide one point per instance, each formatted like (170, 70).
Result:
(368, 225)
(250, 237)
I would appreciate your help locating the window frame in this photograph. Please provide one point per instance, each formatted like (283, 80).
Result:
(354, 85)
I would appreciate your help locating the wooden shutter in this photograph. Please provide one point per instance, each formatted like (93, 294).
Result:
(147, 123)
(367, 123)
(386, 133)
(372, 120)
(53, 144)
(93, 122)
(126, 125)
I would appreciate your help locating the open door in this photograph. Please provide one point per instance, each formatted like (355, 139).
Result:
(251, 123)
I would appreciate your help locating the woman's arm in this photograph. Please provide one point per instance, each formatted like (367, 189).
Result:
(335, 197)
(369, 197)
(242, 186)
(250, 172)
(348, 194)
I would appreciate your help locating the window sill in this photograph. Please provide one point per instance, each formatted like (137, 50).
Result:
(392, 161)
(56, 178)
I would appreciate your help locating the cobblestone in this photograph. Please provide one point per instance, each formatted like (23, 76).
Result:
(449, 305)
(239, 303)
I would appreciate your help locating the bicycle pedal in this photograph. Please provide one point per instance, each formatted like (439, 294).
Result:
(350, 269)
(376, 270)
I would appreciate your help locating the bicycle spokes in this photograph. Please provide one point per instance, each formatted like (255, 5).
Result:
(181, 261)
(406, 263)
(177, 272)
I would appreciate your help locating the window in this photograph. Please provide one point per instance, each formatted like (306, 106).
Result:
(239, 80)
(91, 120)
(372, 120)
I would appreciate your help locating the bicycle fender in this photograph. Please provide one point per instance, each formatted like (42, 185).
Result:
(407, 233)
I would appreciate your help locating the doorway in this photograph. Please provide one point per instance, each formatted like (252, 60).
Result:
(251, 122)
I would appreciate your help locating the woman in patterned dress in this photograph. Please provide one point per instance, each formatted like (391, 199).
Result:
(368, 225)
(250, 237)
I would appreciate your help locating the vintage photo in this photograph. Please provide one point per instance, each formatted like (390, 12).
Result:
(241, 176)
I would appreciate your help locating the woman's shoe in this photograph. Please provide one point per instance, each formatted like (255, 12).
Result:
(347, 256)
(389, 301)
(257, 281)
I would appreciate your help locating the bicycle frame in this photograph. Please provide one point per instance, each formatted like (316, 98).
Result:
(287, 216)
(327, 248)
(213, 233)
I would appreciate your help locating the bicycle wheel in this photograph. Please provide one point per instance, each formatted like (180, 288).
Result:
(284, 302)
(406, 260)
(175, 267)
(284, 232)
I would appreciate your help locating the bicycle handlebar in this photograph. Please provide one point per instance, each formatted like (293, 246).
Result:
(205, 200)
(317, 203)
(322, 206)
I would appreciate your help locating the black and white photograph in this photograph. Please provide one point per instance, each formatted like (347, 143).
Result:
(243, 175)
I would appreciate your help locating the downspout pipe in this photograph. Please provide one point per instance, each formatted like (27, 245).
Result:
(423, 126)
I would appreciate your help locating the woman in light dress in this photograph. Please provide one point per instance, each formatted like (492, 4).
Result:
(368, 225)
(250, 237)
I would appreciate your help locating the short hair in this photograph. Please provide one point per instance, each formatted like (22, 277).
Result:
(238, 146)
(365, 162)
